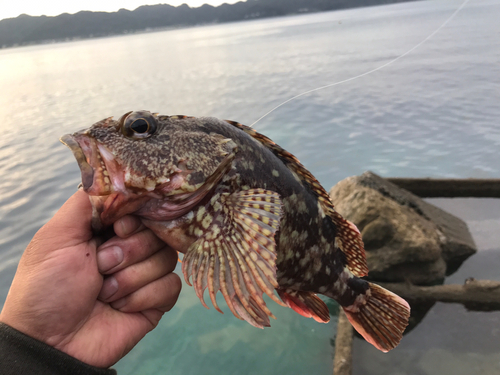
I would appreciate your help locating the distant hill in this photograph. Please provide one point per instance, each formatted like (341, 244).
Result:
(25, 30)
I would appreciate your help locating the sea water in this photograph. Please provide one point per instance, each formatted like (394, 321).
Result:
(433, 113)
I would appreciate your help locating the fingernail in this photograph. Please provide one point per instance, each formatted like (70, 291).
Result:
(117, 305)
(109, 287)
(109, 257)
(124, 227)
(127, 226)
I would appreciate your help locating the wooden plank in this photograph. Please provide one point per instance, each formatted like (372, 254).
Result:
(450, 188)
(482, 295)
(342, 362)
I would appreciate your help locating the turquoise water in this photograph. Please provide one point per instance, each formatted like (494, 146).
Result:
(433, 113)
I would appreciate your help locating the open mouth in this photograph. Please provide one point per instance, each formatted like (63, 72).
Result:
(94, 162)
(116, 191)
(85, 168)
(100, 177)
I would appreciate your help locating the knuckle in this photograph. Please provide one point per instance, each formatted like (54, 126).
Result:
(127, 226)
(140, 246)
(170, 257)
(173, 285)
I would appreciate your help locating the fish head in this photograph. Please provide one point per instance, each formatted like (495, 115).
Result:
(146, 164)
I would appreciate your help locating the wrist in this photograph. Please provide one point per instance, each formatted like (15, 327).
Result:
(20, 353)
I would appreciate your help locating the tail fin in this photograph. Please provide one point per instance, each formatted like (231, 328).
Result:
(382, 319)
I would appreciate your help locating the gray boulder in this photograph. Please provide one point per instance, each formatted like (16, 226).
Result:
(406, 238)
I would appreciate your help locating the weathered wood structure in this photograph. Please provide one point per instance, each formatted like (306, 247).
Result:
(483, 295)
(342, 362)
(450, 188)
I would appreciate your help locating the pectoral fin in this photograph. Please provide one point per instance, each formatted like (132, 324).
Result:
(237, 255)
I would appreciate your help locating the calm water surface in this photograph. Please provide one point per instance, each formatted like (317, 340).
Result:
(433, 113)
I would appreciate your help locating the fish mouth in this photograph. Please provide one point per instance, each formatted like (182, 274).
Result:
(85, 168)
(101, 178)
(94, 162)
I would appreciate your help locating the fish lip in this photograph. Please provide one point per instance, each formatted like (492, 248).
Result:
(86, 169)
(92, 182)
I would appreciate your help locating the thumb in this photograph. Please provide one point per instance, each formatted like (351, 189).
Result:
(70, 225)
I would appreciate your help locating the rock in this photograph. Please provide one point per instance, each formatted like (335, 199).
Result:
(406, 238)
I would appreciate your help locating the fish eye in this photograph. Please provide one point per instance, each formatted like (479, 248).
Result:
(138, 125)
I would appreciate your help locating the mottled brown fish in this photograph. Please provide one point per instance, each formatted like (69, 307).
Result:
(248, 216)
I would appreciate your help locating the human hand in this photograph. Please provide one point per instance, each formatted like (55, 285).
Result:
(60, 297)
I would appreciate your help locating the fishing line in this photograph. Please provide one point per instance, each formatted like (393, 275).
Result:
(371, 71)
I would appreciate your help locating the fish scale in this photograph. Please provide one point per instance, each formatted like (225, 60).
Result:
(250, 218)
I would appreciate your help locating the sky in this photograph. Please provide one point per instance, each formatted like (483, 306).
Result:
(13, 8)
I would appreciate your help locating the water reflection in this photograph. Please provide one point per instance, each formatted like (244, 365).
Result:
(434, 114)
(449, 338)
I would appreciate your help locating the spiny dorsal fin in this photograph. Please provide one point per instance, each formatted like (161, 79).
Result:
(350, 241)
(237, 254)
(180, 117)
(291, 162)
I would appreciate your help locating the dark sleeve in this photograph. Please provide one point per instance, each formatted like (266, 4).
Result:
(24, 355)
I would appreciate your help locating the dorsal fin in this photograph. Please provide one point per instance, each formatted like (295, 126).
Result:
(292, 163)
(351, 243)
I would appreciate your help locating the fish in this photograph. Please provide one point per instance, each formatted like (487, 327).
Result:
(249, 218)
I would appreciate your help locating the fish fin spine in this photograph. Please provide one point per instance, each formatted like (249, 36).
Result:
(236, 254)
(351, 243)
(306, 304)
(381, 317)
(291, 162)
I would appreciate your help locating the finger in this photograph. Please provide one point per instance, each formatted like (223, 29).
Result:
(119, 253)
(138, 275)
(70, 231)
(128, 225)
(161, 294)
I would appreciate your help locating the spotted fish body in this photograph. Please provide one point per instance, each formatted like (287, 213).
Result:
(248, 216)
